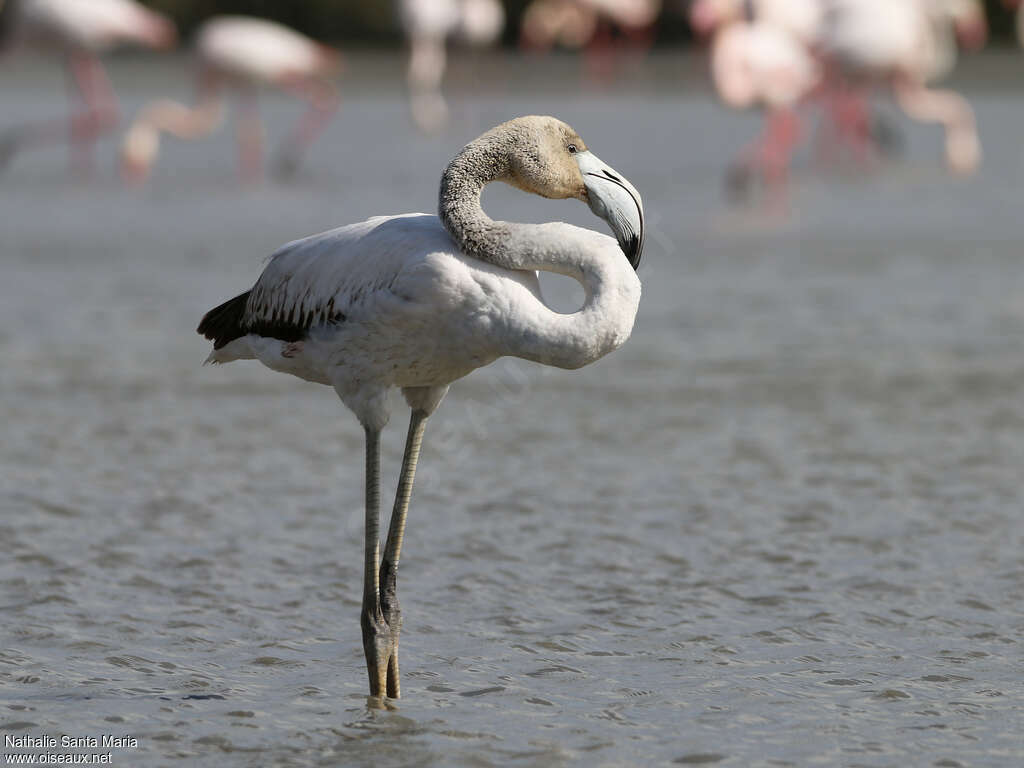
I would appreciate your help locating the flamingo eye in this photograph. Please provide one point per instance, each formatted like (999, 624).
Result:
(572, 149)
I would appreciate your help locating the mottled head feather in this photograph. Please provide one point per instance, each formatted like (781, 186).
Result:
(532, 153)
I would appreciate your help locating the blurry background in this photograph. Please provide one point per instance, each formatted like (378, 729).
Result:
(373, 22)
(782, 526)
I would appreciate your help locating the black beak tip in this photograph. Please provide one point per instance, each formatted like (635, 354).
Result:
(633, 247)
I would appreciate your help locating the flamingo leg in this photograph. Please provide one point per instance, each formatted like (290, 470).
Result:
(101, 110)
(323, 101)
(81, 130)
(777, 149)
(249, 132)
(854, 118)
(390, 608)
(769, 155)
(376, 636)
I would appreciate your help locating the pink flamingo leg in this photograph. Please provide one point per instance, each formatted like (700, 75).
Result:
(782, 135)
(854, 120)
(81, 130)
(101, 115)
(323, 102)
(846, 124)
(249, 132)
(769, 156)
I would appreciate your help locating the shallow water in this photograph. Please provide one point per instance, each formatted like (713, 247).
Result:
(781, 526)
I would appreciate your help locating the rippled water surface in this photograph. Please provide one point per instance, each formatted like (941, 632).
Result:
(781, 526)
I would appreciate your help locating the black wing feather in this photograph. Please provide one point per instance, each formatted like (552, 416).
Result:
(225, 323)
(233, 320)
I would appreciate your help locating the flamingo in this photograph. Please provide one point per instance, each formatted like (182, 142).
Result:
(586, 23)
(78, 30)
(800, 18)
(241, 53)
(428, 25)
(908, 44)
(759, 63)
(803, 20)
(417, 301)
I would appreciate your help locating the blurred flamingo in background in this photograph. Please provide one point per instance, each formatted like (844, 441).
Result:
(906, 45)
(800, 18)
(589, 24)
(755, 63)
(241, 53)
(428, 25)
(78, 30)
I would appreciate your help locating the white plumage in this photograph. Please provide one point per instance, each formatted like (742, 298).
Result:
(260, 50)
(398, 301)
(760, 64)
(93, 25)
(392, 302)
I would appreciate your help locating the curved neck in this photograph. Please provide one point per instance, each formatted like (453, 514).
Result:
(505, 244)
(477, 165)
(533, 330)
(185, 122)
(612, 296)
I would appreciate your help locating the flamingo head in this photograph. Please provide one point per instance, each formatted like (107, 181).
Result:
(548, 158)
(963, 152)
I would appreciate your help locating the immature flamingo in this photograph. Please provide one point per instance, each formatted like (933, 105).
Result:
(241, 53)
(79, 30)
(906, 44)
(428, 25)
(417, 301)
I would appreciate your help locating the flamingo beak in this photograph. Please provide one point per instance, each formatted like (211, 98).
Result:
(615, 200)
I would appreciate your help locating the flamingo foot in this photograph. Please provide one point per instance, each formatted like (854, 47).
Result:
(380, 646)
